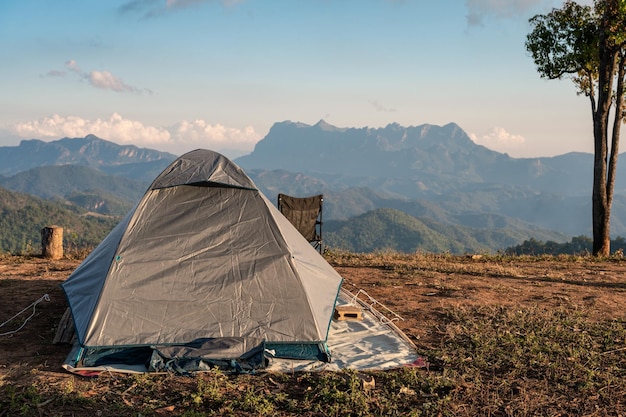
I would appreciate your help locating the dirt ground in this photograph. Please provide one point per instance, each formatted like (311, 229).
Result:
(419, 294)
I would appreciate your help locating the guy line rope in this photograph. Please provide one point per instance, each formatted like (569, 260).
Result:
(45, 297)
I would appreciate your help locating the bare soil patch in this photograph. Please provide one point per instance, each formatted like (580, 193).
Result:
(420, 291)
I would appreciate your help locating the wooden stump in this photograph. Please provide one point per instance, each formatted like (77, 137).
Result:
(52, 242)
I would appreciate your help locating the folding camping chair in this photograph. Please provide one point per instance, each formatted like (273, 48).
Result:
(305, 213)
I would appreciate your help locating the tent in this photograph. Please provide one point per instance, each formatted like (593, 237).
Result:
(203, 271)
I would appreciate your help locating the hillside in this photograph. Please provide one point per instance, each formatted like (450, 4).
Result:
(391, 229)
(51, 182)
(91, 173)
(23, 216)
(388, 229)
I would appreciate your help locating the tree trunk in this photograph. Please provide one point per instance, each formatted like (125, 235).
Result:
(615, 134)
(602, 195)
(601, 212)
(52, 242)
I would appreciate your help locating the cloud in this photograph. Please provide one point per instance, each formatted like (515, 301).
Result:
(153, 8)
(380, 108)
(480, 10)
(72, 66)
(499, 140)
(98, 79)
(116, 129)
(200, 131)
(179, 138)
(107, 81)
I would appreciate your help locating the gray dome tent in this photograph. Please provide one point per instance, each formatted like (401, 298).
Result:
(203, 267)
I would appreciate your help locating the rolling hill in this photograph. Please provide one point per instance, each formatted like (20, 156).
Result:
(59, 181)
(391, 229)
(23, 216)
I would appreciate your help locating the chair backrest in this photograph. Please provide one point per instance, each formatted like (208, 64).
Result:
(305, 213)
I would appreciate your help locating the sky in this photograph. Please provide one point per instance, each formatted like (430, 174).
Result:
(178, 75)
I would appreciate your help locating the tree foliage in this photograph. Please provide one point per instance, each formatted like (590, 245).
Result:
(563, 42)
(579, 245)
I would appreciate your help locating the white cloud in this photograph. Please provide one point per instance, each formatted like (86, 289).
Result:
(499, 139)
(182, 137)
(107, 81)
(200, 131)
(116, 129)
(98, 79)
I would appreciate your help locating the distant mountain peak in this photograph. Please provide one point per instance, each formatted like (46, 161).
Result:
(394, 126)
(323, 125)
(393, 150)
(88, 151)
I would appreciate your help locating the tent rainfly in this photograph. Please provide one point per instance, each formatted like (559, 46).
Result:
(203, 271)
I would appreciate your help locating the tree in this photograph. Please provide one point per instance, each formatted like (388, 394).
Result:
(588, 45)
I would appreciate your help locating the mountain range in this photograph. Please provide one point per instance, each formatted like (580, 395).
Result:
(415, 162)
(427, 187)
(91, 151)
(407, 167)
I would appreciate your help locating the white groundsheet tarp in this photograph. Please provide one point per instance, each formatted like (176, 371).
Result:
(373, 343)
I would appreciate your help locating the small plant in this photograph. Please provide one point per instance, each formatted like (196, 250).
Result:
(210, 387)
(68, 386)
(256, 402)
(20, 401)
